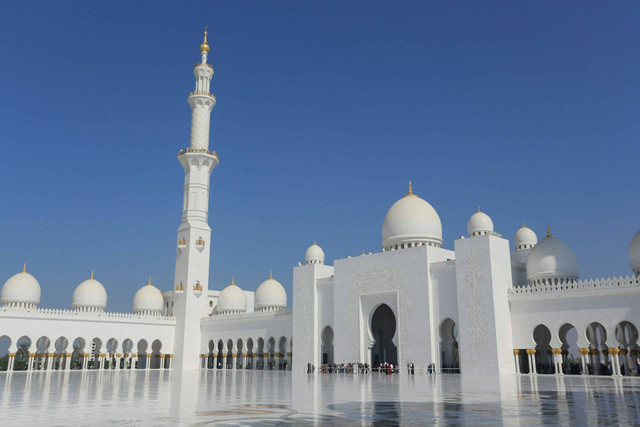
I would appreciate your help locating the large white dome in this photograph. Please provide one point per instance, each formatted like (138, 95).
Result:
(270, 295)
(148, 299)
(480, 223)
(89, 294)
(21, 288)
(314, 254)
(411, 220)
(525, 238)
(551, 258)
(634, 253)
(232, 299)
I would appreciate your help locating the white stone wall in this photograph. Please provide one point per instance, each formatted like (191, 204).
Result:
(400, 279)
(306, 314)
(483, 275)
(247, 326)
(54, 324)
(578, 307)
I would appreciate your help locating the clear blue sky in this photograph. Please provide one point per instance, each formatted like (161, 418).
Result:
(325, 111)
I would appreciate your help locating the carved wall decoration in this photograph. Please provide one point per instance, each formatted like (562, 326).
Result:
(476, 306)
(302, 298)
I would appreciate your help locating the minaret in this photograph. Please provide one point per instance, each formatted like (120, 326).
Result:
(194, 233)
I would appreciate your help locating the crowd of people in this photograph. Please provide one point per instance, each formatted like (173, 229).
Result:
(364, 368)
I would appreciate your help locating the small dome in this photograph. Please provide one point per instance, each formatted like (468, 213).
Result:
(21, 288)
(480, 223)
(634, 253)
(314, 254)
(232, 299)
(148, 298)
(411, 220)
(89, 294)
(525, 238)
(551, 258)
(270, 295)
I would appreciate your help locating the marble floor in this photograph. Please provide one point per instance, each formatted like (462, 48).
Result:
(282, 398)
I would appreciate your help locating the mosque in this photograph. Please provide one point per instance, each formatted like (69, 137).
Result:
(486, 306)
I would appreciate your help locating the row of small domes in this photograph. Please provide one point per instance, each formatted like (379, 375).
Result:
(23, 288)
(270, 295)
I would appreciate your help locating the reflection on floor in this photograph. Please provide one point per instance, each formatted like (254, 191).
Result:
(276, 398)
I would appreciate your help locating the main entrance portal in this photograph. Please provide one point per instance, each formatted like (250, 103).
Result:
(383, 328)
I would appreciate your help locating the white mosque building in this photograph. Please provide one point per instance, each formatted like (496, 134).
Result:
(486, 306)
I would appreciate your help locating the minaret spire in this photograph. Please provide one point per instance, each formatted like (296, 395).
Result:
(201, 100)
(204, 47)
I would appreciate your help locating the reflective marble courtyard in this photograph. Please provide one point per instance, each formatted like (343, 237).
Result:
(282, 398)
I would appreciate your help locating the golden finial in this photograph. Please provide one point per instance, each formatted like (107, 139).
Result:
(410, 190)
(548, 231)
(314, 241)
(479, 208)
(91, 274)
(24, 268)
(204, 47)
(523, 224)
(149, 284)
(233, 280)
(271, 274)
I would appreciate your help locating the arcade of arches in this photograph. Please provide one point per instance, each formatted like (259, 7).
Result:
(45, 354)
(261, 353)
(600, 352)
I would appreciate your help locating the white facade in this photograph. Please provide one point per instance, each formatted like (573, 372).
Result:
(481, 307)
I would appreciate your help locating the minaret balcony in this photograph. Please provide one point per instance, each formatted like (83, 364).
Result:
(179, 288)
(200, 64)
(182, 243)
(197, 289)
(202, 93)
(198, 150)
(200, 244)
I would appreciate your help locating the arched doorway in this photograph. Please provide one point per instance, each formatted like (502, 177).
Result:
(449, 360)
(597, 337)
(542, 338)
(568, 335)
(327, 345)
(627, 337)
(383, 329)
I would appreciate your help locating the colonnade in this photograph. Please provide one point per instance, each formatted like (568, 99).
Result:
(255, 361)
(102, 361)
(590, 360)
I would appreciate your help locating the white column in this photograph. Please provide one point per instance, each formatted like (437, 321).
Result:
(516, 355)
(534, 367)
(615, 361)
(625, 360)
(148, 362)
